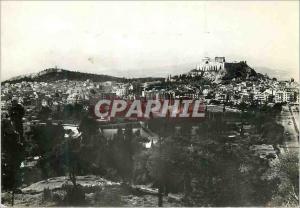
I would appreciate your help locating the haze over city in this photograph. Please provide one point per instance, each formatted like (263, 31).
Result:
(139, 39)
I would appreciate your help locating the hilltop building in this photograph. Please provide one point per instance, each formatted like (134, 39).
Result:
(208, 64)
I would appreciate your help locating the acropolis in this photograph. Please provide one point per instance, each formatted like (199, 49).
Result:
(208, 64)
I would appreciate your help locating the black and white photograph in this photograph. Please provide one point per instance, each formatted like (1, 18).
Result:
(149, 103)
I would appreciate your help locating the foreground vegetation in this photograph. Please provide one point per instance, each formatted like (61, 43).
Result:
(201, 161)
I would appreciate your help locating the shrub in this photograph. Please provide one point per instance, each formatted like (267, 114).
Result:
(74, 195)
(47, 194)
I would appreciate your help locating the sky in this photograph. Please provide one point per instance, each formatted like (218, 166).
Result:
(140, 39)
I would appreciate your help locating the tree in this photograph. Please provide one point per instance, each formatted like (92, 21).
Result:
(242, 106)
(77, 110)
(277, 107)
(124, 146)
(169, 165)
(11, 157)
(48, 140)
(44, 113)
(272, 133)
(16, 114)
(88, 127)
(12, 144)
(68, 111)
(94, 147)
(73, 163)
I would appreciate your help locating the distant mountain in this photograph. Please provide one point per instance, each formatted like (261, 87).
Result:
(280, 74)
(54, 74)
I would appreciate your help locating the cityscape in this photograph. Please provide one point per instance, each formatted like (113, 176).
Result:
(245, 112)
(149, 103)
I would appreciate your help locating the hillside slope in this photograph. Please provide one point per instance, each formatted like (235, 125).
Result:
(238, 70)
(53, 74)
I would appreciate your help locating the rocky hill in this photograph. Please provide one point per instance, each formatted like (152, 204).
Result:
(239, 70)
(231, 71)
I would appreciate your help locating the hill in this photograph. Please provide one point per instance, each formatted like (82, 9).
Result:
(54, 74)
(239, 70)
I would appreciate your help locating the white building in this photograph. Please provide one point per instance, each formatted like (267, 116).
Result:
(282, 96)
(260, 97)
(208, 64)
